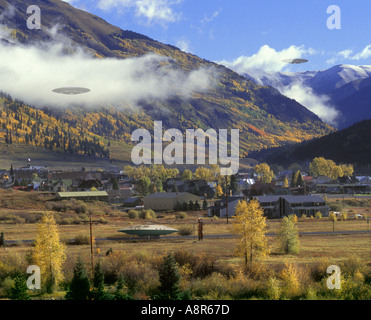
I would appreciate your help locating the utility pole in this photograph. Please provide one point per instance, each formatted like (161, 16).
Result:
(90, 221)
(91, 244)
(226, 196)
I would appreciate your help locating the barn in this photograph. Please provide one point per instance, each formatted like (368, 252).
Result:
(168, 200)
(84, 195)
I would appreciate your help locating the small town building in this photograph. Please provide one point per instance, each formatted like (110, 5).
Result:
(168, 200)
(84, 195)
(132, 202)
(275, 206)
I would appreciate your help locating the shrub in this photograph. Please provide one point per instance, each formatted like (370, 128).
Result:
(335, 207)
(352, 266)
(147, 214)
(290, 281)
(80, 208)
(318, 270)
(273, 289)
(215, 286)
(83, 217)
(318, 215)
(332, 216)
(182, 215)
(103, 221)
(7, 286)
(81, 239)
(185, 230)
(76, 221)
(12, 264)
(133, 214)
(66, 221)
(202, 265)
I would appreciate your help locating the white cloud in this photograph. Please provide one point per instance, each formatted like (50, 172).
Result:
(318, 104)
(350, 55)
(31, 73)
(184, 45)
(208, 19)
(155, 11)
(267, 61)
(364, 54)
(6, 14)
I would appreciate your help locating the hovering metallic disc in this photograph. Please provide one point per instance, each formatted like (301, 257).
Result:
(71, 90)
(295, 61)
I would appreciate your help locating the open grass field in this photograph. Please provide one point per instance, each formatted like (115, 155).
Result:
(18, 222)
(329, 245)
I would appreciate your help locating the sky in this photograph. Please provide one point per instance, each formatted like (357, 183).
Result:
(247, 36)
(240, 32)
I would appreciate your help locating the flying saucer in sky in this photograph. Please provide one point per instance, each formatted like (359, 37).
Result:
(71, 90)
(295, 61)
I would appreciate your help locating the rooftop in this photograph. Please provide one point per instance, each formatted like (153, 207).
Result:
(169, 195)
(83, 194)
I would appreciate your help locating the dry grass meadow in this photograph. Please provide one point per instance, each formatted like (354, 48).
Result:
(18, 221)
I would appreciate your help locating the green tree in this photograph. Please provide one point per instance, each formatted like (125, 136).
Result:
(288, 236)
(115, 184)
(204, 204)
(169, 277)
(296, 179)
(159, 186)
(264, 172)
(300, 180)
(79, 287)
(35, 177)
(234, 184)
(98, 292)
(187, 175)
(2, 239)
(19, 291)
(250, 226)
(191, 206)
(121, 290)
(143, 186)
(197, 206)
(11, 172)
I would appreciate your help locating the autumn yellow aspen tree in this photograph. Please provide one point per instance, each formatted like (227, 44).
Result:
(264, 172)
(48, 252)
(250, 225)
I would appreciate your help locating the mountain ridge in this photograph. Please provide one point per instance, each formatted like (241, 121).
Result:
(336, 84)
(264, 116)
(350, 145)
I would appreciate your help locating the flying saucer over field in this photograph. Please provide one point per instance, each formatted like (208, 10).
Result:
(148, 230)
(295, 61)
(71, 91)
